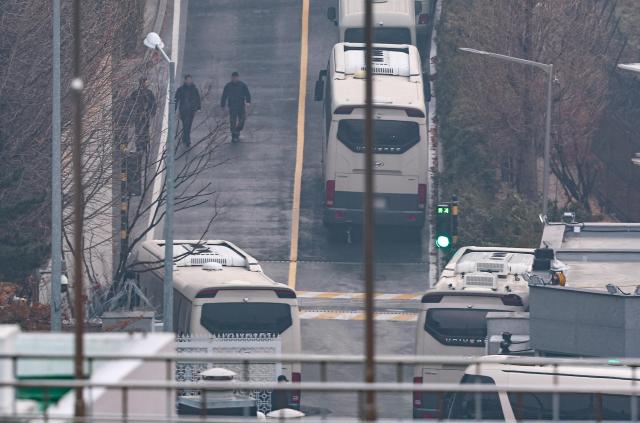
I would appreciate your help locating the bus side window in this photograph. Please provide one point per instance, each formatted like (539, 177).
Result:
(327, 108)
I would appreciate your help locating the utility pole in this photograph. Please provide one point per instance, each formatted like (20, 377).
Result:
(548, 68)
(77, 86)
(56, 176)
(368, 236)
(167, 314)
(153, 41)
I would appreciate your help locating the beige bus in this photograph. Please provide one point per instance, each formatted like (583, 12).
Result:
(399, 135)
(394, 21)
(452, 317)
(221, 290)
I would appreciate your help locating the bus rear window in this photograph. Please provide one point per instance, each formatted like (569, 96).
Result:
(224, 318)
(389, 136)
(380, 35)
(457, 327)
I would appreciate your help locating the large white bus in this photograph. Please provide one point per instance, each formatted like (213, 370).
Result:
(220, 290)
(399, 135)
(607, 402)
(452, 318)
(394, 21)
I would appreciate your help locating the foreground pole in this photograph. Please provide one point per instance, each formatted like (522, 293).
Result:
(77, 86)
(370, 398)
(56, 177)
(168, 217)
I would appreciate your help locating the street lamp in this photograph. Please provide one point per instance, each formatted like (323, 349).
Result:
(154, 42)
(633, 67)
(548, 68)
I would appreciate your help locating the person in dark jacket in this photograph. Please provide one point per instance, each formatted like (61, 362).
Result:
(187, 103)
(237, 97)
(143, 108)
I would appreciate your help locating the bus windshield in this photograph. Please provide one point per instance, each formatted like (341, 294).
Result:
(224, 318)
(389, 136)
(463, 406)
(457, 326)
(539, 406)
(380, 35)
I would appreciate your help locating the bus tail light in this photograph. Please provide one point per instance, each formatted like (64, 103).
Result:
(343, 110)
(431, 298)
(422, 196)
(417, 395)
(330, 192)
(512, 300)
(285, 293)
(296, 377)
(207, 293)
(423, 19)
(414, 113)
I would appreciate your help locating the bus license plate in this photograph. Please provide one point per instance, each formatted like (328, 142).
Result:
(380, 203)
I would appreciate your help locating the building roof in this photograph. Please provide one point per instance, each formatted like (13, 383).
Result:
(596, 254)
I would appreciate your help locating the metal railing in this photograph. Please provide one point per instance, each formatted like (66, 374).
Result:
(169, 388)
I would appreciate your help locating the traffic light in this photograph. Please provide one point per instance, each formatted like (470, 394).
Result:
(446, 235)
(444, 226)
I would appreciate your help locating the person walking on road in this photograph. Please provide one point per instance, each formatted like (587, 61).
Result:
(143, 109)
(187, 103)
(237, 97)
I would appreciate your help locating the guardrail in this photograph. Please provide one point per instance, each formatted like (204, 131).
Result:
(170, 387)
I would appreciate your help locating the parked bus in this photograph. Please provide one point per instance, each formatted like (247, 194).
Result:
(452, 318)
(394, 21)
(220, 290)
(400, 135)
(607, 402)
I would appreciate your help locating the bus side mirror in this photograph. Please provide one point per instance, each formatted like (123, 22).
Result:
(331, 14)
(427, 90)
(318, 94)
(418, 7)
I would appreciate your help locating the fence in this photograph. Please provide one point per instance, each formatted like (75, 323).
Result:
(236, 345)
(476, 403)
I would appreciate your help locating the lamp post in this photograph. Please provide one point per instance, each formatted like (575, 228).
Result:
(548, 68)
(154, 42)
(633, 67)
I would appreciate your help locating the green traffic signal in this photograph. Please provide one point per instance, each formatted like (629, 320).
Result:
(443, 227)
(443, 241)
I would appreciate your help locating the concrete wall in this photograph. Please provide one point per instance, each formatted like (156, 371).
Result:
(103, 403)
(584, 322)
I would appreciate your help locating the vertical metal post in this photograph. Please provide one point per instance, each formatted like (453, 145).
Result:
(368, 236)
(167, 314)
(56, 176)
(77, 86)
(547, 141)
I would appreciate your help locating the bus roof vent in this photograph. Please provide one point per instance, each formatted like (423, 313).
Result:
(480, 280)
(207, 254)
(385, 62)
(496, 263)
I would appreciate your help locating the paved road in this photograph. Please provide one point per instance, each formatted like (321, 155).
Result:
(256, 185)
